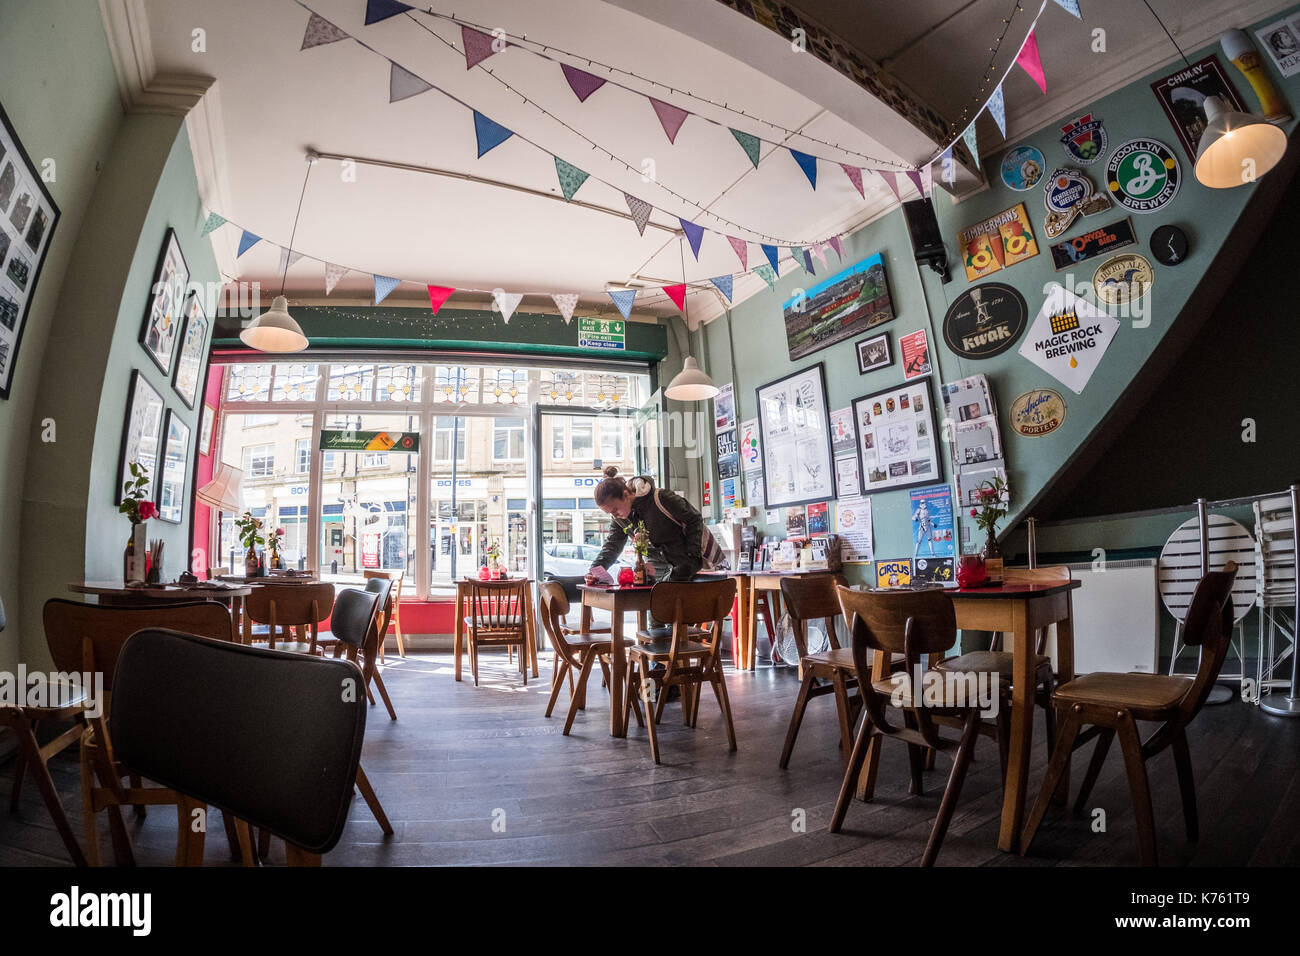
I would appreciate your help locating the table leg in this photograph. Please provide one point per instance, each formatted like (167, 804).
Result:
(738, 621)
(1021, 729)
(531, 618)
(750, 638)
(617, 671)
(1064, 673)
(458, 629)
(246, 622)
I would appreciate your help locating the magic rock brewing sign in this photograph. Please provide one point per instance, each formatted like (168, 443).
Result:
(351, 440)
(606, 335)
(985, 320)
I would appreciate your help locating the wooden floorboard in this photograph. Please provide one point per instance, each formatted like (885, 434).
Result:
(460, 759)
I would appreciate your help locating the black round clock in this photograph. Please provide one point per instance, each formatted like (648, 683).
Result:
(1169, 245)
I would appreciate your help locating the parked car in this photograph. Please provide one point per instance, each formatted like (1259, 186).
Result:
(572, 560)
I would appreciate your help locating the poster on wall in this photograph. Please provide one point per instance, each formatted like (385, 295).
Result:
(897, 447)
(162, 316)
(1282, 41)
(846, 304)
(141, 434)
(933, 530)
(847, 482)
(893, 574)
(754, 489)
(998, 242)
(853, 525)
(916, 354)
(819, 519)
(28, 216)
(724, 409)
(795, 435)
(1069, 337)
(751, 449)
(985, 320)
(194, 340)
(728, 454)
(171, 487)
(796, 523)
(933, 570)
(1182, 95)
(844, 437)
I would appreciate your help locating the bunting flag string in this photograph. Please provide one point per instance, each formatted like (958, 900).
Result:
(320, 32)
(571, 177)
(671, 117)
(855, 177)
(287, 260)
(506, 303)
(742, 251)
(377, 10)
(838, 245)
(765, 273)
(997, 107)
(724, 285)
(246, 242)
(640, 210)
(915, 177)
(438, 294)
(694, 235)
(213, 222)
(403, 84)
(807, 263)
(383, 286)
(677, 293)
(1071, 7)
(1031, 62)
(972, 143)
(488, 134)
(333, 274)
(581, 82)
(891, 180)
(808, 164)
(623, 299)
(566, 302)
(749, 143)
(773, 256)
(478, 46)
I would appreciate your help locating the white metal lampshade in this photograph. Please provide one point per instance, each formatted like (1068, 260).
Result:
(1232, 142)
(223, 492)
(274, 330)
(691, 384)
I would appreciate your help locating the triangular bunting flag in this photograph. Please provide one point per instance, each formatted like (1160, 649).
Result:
(997, 106)
(694, 235)
(507, 302)
(377, 10)
(927, 180)
(287, 259)
(773, 256)
(765, 273)
(623, 298)
(971, 143)
(403, 84)
(383, 286)
(489, 133)
(749, 143)
(915, 176)
(640, 210)
(1030, 62)
(855, 177)
(677, 293)
(819, 250)
(571, 177)
(246, 242)
(1070, 6)
(582, 83)
(478, 46)
(891, 180)
(438, 294)
(742, 251)
(333, 274)
(319, 32)
(807, 263)
(566, 302)
(670, 117)
(213, 222)
(808, 164)
(723, 285)
(838, 245)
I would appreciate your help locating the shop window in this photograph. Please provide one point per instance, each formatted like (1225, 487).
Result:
(259, 461)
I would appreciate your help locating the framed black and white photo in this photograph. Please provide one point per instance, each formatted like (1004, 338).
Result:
(171, 489)
(205, 430)
(28, 216)
(897, 444)
(874, 353)
(141, 433)
(194, 337)
(795, 435)
(162, 316)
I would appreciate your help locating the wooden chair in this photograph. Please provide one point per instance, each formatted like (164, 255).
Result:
(372, 651)
(573, 650)
(284, 760)
(808, 599)
(395, 617)
(1113, 703)
(915, 624)
(497, 617)
(281, 606)
(689, 660)
(88, 638)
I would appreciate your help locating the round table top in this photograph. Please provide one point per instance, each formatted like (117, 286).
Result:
(156, 592)
(269, 579)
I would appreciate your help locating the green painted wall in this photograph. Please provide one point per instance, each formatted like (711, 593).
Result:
(57, 86)
(921, 300)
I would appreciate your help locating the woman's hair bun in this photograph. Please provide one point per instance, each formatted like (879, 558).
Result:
(611, 471)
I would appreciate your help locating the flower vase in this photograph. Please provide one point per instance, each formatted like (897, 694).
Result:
(639, 572)
(992, 559)
(135, 555)
(251, 564)
(970, 571)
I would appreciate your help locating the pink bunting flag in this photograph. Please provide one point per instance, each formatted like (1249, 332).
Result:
(915, 176)
(670, 117)
(478, 46)
(581, 82)
(855, 177)
(677, 293)
(819, 250)
(838, 245)
(742, 251)
(1031, 63)
(438, 294)
(891, 180)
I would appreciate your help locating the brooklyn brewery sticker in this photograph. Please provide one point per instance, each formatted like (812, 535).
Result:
(1143, 175)
(985, 320)
(1069, 337)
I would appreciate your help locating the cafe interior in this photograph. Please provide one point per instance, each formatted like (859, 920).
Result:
(620, 417)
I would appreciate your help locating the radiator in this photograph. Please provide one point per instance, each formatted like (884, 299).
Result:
(1116, 618)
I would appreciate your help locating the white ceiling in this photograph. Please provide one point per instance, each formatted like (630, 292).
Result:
(270, 103)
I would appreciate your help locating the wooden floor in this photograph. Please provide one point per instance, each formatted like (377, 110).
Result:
(478, 776)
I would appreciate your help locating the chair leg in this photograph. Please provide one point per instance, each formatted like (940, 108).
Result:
(842, 712)
(29, 752)
(720, 691)
(952, 792)
(796, 719)
(1003, 722)
(1094, 767)
(189, 838)
(245, 841)
(20, 765)
(632, 697)
(136, 784)
(383, 692)
(915, 759)
(652, 721)
(90, 832)
(1186, 784)
(1055, 771)
(372, 801)
(851, 773)
(563, 667)
(1131, 745)
(473, 660)
(401, 646)
(582, 683)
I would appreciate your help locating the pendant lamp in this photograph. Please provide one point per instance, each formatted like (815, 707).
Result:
(275, 329)
(690, 384)
(1236, 148)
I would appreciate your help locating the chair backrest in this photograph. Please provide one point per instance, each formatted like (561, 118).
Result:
(813, 598)
(1051, 574)
(553, 606)
(385, 588)
(89, 637)
(396, 578)
(289, 605)
(355, 612)
(911, 623)
(1208, 624)
(271, 738)
(497, 605)
(214, 573)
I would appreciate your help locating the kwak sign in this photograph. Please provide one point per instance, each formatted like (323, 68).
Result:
(1068, 338)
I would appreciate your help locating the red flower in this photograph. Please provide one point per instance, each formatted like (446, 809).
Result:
(972, 512)
(147, 510)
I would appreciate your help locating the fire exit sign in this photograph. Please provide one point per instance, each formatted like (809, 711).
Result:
(607, 335)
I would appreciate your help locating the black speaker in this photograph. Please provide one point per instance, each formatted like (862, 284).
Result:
(927, 242)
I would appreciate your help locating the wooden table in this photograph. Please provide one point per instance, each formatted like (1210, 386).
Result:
(617, 601)
(458, 632)
(748, 584)
(113, 593)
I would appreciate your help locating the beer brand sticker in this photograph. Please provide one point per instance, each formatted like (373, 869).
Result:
(998, 242)
(1123, 279)
(1143, 175)
(1068, 338)
(1169, 245)
(1037, 413)
(985, 320)
(1067, 194)
(1089, 245)
(1023, 167)
(1084, 138)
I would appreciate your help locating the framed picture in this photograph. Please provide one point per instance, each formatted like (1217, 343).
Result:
(795, 436)
(28, 216)
(141, 433)
(166, 300)
(1182, 96)
(845, 305)
(897, 444)
(176, 452)
(193, 338)
(873, 353)
(205, 430)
